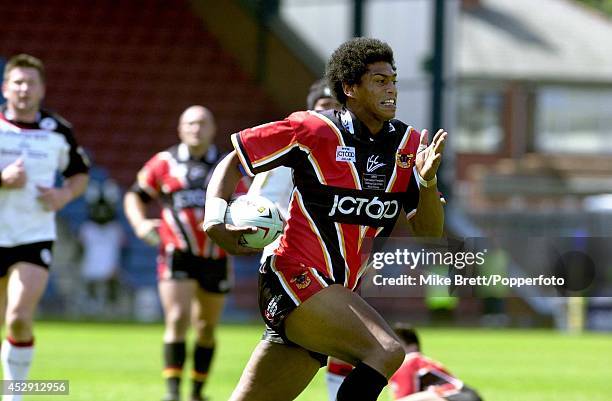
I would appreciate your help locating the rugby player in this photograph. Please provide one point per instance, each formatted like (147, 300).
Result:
(35, 144)
(354, 171)
(192, 270)
(423, 379)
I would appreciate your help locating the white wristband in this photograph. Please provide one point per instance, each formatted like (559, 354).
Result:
(426, 184)
(214, 212)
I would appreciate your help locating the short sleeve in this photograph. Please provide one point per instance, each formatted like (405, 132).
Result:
(76, 160)
(148, 179)
(266, 146)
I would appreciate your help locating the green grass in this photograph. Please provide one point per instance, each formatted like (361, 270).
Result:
(123, 362)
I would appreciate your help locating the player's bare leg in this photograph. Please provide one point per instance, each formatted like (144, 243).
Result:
(26, 285)
(335, 322)
(339, 323)
(207, 309)
(206, 312)
(3, 288)
(275, 372)
(176, 297)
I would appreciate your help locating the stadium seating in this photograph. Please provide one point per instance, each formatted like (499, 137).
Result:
(122, 72)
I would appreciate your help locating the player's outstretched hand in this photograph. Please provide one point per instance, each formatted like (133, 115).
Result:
(229, 237)
(428, 157)
(14, 175)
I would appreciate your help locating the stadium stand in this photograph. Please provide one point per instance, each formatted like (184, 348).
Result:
(122, 71)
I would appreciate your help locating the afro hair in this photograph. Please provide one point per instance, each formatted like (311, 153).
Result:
(350, 61)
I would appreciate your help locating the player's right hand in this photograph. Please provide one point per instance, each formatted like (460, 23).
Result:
(229, 238)
(14, 175)
(147, 231)
(428, 157)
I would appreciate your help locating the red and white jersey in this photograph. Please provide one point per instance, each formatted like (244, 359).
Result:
(419, 373)
(179, 182)
(349, 185)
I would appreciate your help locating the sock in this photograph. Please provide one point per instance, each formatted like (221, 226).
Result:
(16, 360)
(363, 384)
(174, 359)
(202, 357)
(337, 370)
(334, 382)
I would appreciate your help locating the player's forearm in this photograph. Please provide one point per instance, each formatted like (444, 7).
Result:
(76, 185)
(135, 209)
(429, 218)
(225, 178)
(220, 188)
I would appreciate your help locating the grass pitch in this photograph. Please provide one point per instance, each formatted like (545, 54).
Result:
(123, 362)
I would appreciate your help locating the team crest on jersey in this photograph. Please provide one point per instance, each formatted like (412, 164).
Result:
(48, 123)
(404, 160)
(345, 154)
(301, 281)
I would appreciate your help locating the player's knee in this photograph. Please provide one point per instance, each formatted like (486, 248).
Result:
(395, 356)
(388, 358)
(205, 332)
(177, 320)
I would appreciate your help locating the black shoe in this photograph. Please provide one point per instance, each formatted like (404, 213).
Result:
(199, 398)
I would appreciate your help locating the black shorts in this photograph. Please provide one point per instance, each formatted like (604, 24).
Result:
(275, 305)
(212, 275)
(36, 253)
(466, 394)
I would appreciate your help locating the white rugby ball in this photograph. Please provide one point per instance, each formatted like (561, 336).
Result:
(255, 211)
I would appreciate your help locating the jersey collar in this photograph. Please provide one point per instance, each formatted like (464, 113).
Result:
(183, 154)
(10, 116)
(356, 128)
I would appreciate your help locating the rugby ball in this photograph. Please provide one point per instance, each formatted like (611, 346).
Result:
(255, 211)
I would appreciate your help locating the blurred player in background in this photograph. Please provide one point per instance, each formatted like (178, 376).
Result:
(418, 379)
(354, 171)
(35, 145)
(320, 97)
(423, 379)
(192, 270)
